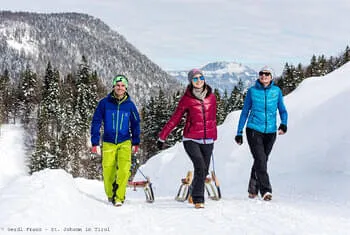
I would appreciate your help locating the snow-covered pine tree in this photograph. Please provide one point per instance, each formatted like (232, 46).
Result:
(224, 101)
(322, 65)
(51, 115)
(149, 130)
(29, 96)
(220, 107)
(38, 159)
(236, 100)
(176, 134)
(346, 55)
(240, 95)
(299, 74)
(86, 97)
(163, 113)
(68, 144)
(333, 62)
(86, 100)
(288, 82)
(4, 96)
(311, 70)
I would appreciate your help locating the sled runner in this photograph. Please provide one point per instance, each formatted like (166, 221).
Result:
(145, 184)
(184, 190)
(147, 188)
(212, 187)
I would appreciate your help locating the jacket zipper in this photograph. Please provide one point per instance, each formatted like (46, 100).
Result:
(265, 110)
(117, 124)
(204, 120)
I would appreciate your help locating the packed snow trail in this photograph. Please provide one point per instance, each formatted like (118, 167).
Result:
(54, 202)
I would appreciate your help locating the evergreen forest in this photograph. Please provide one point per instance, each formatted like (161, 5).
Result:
(56, 111)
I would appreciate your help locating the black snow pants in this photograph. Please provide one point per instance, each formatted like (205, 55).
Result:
(260, 145)
(200, 156)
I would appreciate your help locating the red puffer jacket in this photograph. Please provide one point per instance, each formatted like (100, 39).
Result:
(200, 117)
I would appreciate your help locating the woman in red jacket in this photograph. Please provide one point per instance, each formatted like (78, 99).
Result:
(199, 105)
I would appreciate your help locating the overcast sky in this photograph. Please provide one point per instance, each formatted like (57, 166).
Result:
(182, 34)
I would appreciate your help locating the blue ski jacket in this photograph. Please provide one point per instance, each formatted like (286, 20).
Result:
(260, 107)
(121, 121)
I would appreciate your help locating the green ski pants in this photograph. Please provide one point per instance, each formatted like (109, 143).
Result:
(116, 163)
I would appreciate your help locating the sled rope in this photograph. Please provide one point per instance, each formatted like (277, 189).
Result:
(142, 173)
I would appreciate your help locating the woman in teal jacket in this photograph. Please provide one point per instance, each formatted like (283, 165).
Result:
(260, 108)
(121, 126)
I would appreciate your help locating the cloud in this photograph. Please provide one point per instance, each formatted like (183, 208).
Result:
(178, 34)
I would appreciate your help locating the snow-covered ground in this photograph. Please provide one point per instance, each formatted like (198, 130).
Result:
(12, 162)
(309, 169)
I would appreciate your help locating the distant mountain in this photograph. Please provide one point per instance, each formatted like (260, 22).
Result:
(222, 75)
(64, 38)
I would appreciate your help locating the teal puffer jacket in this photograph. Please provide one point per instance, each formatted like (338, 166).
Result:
(260, 107)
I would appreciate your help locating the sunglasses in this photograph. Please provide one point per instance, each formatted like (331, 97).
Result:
(195, 79)
(119, 78)
(264, 73)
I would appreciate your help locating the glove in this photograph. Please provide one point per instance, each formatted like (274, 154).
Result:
(160, 145)
(282, 128)
(95, 151)
(135, 149)
(239, 139)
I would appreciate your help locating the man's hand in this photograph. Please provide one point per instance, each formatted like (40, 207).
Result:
(96, 151)
(135, 149)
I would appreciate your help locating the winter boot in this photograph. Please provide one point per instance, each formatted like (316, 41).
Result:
(252, 195)
(118, 204)
(199, 205)
(190, 200)
(267, 196)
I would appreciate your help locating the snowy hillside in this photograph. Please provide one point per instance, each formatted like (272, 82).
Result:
(222, 75)
(309, 169)
(63, 38)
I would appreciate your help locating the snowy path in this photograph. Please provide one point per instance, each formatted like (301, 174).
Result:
(52, 199)
(52, 202)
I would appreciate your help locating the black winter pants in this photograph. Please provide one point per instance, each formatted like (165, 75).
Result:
(200, 156)
(260, 145)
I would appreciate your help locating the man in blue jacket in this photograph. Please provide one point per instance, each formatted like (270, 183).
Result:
(260, 107)
(121, 126)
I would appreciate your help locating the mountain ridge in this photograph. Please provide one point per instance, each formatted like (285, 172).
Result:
(222, 75)
(63, 38)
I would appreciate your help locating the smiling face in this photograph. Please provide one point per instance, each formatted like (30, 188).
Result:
(119, 89)
(265, 78)
(198, 81)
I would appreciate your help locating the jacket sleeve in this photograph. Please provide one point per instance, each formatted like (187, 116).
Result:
(96, 124)
(174, 120)
(282, 109)
(135, 126)
(245, 112)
